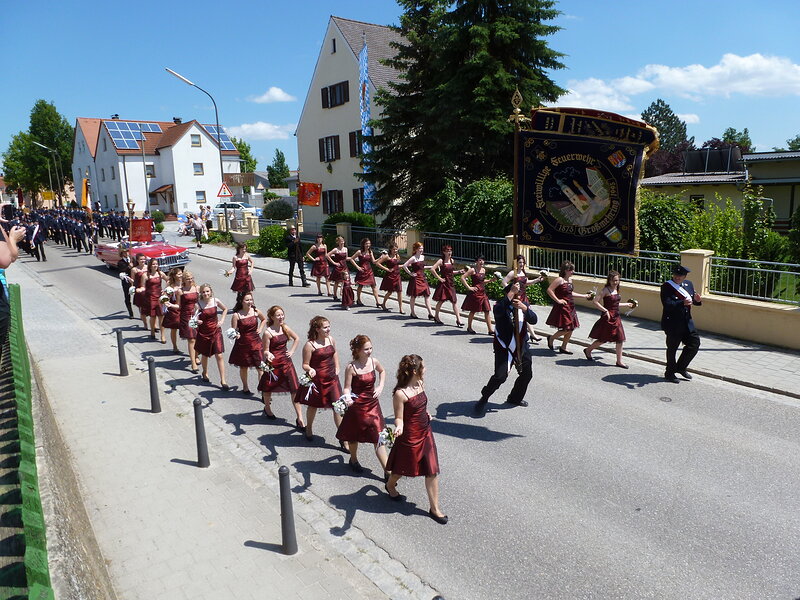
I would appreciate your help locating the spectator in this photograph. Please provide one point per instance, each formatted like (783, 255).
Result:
(8, 254)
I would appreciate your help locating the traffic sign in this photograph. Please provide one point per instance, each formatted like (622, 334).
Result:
(225, 191)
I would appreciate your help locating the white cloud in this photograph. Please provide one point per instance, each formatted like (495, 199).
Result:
(273, 94)
(262, 131)
(595, 93)
(688, 118)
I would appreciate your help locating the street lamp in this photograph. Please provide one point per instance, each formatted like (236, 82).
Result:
(55, 163)
(219, 134)
(130, 205)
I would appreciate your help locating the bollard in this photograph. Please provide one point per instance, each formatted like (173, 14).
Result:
(200, 433)
(289, 537)
(155, 403)
(123, 364)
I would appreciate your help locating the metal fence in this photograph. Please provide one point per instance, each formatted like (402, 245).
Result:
(262, 222)
(380, 237)
(759, 280)
(466, 247)
(649, 267)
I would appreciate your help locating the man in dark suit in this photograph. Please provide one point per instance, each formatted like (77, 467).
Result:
(677, 298)
(295, 255)
(510, 347)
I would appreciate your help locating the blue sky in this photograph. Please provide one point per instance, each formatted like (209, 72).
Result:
(718, 64)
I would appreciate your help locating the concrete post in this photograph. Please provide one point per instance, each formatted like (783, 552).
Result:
(412, 237)
(123, 360)
(510, 252)
(155, 402)
(699, 263)
(221, 222)
(200, 435)
(344, 230)
(252, 225)
(299, 220)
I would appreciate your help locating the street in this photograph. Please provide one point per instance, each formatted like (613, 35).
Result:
(611, 484)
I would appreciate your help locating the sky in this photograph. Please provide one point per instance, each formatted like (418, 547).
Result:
(717, 64)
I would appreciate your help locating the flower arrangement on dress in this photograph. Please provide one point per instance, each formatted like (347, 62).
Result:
(231, 333)
(344, 402)
(386, 437)
(304, 379)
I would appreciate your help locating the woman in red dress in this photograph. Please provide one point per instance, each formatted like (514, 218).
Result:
(321, 365)
(247, 351)
(186, 297)
(338, 260)
(562, 316)
(363, 420)
(172, 317)
(362, 260)
(150, 285)
(317, 254)
(139, 267)
(414, 452)
(390, 263)
(477, 300)
(609, 326)
(281, 377)
(242, 265)
(209, 336)
(418, 285)
(446, 290)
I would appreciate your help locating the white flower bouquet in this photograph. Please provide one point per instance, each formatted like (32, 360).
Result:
(591, 294)
(132, 290)
(169, 290)
(544, 274)
(633, 302)
(193, 323)
(344, 402)
(124, 277)
(163, 299)
(231, 333)
(304, 380)
(386, 437)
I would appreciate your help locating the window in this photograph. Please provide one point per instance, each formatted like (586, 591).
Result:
(105, 199)
(697, 200)
(358, 200)
(154, 199)
(105, 147)
(113, 174)
(333, 45)
(200, 196)
(116, 201)
(198, 168)
(355, 143)
(102, 174)
(336, 94)
(150, 170)
(329, 148)
(195, 140)
(332, 202)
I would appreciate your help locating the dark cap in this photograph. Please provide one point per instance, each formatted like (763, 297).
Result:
(509, 286)
(680, 270)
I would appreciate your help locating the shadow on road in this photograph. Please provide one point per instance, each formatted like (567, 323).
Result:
(369, 499)
(633, 380)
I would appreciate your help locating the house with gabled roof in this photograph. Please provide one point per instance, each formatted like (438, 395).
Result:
(329, 130)
(169, 166)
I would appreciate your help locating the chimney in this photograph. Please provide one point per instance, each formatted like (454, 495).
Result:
(177, 120)
(115, 117)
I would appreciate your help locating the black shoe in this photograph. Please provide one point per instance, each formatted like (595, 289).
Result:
(343, 448)
(225, 387)
(517, 402)
(480, 407)
(395, 498)
(306, 284)
(472, 331)
(562, 351)
(685, 374)
(359, 303)
(247, 392)
(441, 520)
(671, 377)
(269, 416)
(356, 467)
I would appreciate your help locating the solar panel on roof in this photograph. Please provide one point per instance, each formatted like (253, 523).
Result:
(150, 127)
(223, 139)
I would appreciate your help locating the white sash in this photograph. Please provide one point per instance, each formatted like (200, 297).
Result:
(511, 348)
(680, 289)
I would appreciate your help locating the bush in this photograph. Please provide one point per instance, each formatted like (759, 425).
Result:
(220, 237)
(354, 218)
(483, 207)
(253, 245)
(270, 196)
(157, 216)
(278, 210)
(159, 227)
(663, 222)
(269, 242)
(794, 236)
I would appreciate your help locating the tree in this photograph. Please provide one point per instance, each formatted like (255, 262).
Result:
(447, 116)
(663, 221)
(671, 130)
(792, 145)
(249, 163)
(23, 162)
(731, 137)
(278, 170)
(49, 127)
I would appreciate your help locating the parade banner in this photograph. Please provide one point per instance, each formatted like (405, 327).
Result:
(141, 230)
(309, 194)
(578, 174)
(366, 129)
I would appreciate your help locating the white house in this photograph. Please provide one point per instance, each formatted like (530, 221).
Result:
(169, 166)
(329, 130)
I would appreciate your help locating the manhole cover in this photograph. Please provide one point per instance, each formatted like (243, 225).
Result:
(665, 399)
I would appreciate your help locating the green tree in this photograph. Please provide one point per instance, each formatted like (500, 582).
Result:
(740, 138)
(794, 237)
(482, 207)
(671, 130)
(278, 170)
(51, 128)
(663, 221)
(23, 163)
(792, 145)
(249, 163)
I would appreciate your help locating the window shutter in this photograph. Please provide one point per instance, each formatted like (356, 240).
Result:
(353, 144)
(336, 154)
(324, 203)
(325, 98)
(321, 149)
(339, 201)
(346, 86)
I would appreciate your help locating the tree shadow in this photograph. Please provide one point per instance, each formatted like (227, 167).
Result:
(633, 380)
(369, 499)
(451, 332)
(576, 362)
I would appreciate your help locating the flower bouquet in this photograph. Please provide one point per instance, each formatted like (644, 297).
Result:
(231, 333)
(163, 298)
(124, 277)
(169, 290)
(386, 437)
(634, 303)
(304, 380)
(344, 402)
(591, 294)
(193, 323)
(225, 272)
(544, 274)
(132, 290)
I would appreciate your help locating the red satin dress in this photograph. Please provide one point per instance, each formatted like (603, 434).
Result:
(523, 288)
(325, 388)
(139, 298)
(209, 336)
(414, 452)
(391, 281)
(242, 282)
(477, 301)
(367, 276)
(563, 316)
(172, 318)
(283, 377)
(152, 292)
(363, 421)
(610, 329)
(319, 268)
(188, 303)
(418, 284)
(247, 350)
(340, 268)
(446, 290)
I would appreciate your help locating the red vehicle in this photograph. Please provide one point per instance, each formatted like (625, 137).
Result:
(168, 255)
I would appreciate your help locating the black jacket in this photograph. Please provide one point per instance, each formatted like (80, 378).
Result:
(293, 247)
(504, 326)
(677, 318)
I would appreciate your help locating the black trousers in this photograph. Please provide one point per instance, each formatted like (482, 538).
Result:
(501, 374)
(126, 293)
(38, 251)
(293, 260)
(691, 344)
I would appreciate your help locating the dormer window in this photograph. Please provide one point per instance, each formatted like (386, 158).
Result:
(333, 45)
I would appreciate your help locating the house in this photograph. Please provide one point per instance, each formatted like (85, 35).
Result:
(709, 173)
(174, 170)
(329, 130)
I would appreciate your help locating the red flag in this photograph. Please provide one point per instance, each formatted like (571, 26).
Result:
(308, 194)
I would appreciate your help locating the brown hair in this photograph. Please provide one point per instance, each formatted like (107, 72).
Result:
(565, 266)
(187, 274)
(364, 243)
(313, 325)
(447, 248)
(357, 343)
(410, 365)
(271, 316)
(417, 246)
(150, 264)
(611, 275)
(172, 276)
(240, 247)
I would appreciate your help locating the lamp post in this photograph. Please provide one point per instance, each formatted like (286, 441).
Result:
(219, 135)
(55, 164)
(130, 205)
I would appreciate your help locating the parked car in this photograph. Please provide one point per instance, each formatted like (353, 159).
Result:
(168, 255)
(237, 208)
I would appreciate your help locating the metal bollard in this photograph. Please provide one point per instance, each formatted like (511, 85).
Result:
(200, 433)
(289, 537)
(155, 402)
(123, 364)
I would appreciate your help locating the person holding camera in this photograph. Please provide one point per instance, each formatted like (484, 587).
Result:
(9, 251)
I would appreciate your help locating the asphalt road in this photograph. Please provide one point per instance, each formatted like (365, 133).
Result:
(612, 484)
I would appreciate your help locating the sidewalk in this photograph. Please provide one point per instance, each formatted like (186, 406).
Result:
(166, 528)
(757, 366)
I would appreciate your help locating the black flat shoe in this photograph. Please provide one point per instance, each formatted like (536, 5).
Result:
(517, 403)
(550, 343)
(309, 436)
(344, 448)
(298, 425)
(225, 387)
(437, 321)
(588, 354)
(441, 520)
(562, 351)
(413, 317)
(395, 498)
(431, 317)
(269, 416)
(204, 379)
(356, 467)
(247, 392)
(472, 331)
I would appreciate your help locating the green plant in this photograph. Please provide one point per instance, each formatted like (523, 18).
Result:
(794, 236)
(220, 237)
(157, 216)
(270, 240)
(270, 196)
(354, 218)
(278, 210)
(253, 245)
(159, 227)
(663, 221)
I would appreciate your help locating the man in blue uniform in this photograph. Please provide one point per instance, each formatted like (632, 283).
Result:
(677, 298)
